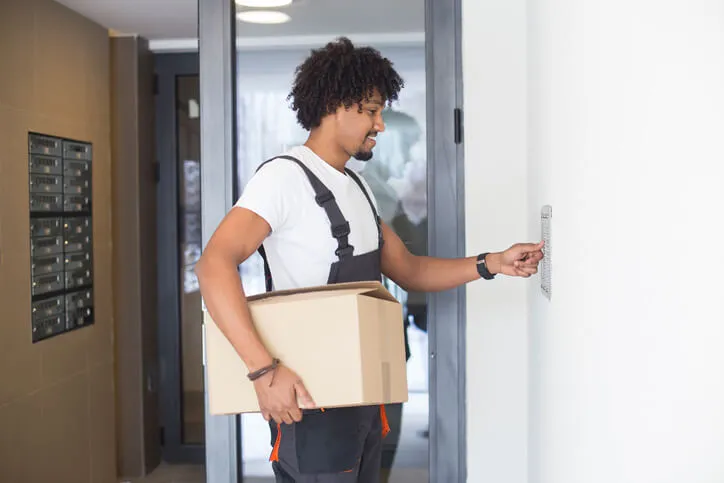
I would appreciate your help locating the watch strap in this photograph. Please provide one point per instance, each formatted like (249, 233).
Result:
(483, 268)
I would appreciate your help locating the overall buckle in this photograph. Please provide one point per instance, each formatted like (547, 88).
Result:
(323, 198)
(341, 230)
(342, 252)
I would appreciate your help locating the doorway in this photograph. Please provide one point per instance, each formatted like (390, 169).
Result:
(238, 109)
(397, 175)
(178, 143)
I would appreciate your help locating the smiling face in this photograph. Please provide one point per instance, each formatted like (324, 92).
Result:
(358, 125)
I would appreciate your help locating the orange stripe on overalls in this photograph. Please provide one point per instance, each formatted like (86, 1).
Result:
(275, 452)
(385, 423)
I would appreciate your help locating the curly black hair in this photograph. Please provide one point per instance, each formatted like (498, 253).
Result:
(340, 74)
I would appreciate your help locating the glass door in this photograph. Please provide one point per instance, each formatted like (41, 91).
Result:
(267, 127)
(179, 247)
(246, 73)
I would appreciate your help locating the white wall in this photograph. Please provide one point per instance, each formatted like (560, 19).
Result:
(626, 141)
(496, 176)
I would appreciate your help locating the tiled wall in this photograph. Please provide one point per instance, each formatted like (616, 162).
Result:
(57, 416)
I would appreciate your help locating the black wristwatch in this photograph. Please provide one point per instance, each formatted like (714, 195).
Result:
(483, 268)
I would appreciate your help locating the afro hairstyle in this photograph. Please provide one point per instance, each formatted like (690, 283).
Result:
(340, 74)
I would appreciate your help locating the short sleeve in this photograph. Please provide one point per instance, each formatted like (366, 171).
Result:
(268, 193)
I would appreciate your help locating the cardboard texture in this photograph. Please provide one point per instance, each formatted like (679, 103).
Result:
(344, 340)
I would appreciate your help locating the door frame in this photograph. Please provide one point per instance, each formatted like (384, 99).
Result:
(446, 238)
(167, 68)
(217, 55)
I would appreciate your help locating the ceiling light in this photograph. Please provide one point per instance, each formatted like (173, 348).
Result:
(264, 3)
(263, 16)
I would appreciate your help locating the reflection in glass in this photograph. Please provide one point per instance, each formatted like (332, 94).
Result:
(190, 242)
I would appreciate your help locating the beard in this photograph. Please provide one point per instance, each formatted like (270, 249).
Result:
(363, 155)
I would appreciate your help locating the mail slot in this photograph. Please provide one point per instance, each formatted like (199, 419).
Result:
(78, 300)
(72, 167)
(77, 261)
(47, 245)
(49, 307)
(46, 226)
(43, 265)
(47, 283)
(46, 203)
(79, 317)
(77, 243)
(45, 164)
(74, 150)
(77, 185)
(77, 225)
(44, 328)
(46, 183)
(39, 144)
(76, 203)
(77, 278)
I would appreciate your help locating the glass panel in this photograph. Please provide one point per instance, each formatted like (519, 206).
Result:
(397, 175)
(189, 232)
(266, 128)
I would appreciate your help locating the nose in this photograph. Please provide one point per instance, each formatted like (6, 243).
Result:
(379, 124)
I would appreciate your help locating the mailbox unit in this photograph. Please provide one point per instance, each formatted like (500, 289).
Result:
(61, 234)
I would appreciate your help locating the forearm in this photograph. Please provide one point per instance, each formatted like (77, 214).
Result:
(430, 274)
(226, 302)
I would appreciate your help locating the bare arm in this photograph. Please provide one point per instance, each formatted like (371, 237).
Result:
(238, 236)
(430, 274)
(423, 274)
(236, 239)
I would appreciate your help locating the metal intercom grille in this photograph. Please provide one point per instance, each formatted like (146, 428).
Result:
(546, 219)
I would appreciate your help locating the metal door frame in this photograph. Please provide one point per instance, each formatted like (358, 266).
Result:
(167, 68)
(217, 55)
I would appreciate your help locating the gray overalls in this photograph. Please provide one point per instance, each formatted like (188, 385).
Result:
(336, 445)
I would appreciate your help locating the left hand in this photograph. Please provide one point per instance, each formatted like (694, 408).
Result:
(520, 260)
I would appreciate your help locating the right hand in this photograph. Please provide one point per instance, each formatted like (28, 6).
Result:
(279, 401)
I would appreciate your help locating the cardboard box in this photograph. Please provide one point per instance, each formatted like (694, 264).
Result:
(344, 340)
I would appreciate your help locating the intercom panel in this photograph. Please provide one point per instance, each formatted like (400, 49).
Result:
(546, 219)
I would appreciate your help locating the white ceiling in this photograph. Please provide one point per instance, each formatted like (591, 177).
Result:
(177, 19)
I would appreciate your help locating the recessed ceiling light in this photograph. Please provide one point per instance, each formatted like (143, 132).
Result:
(264, 3)
(263, 16)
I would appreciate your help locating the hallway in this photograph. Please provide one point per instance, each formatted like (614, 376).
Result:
(410, 464)
(195, 474)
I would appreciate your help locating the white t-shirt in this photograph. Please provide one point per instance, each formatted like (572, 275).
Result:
(300, 248)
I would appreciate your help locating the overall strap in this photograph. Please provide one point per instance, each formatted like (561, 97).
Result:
(378, 220)
(325, 199)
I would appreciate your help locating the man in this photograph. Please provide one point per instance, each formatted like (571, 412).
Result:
(319, 223)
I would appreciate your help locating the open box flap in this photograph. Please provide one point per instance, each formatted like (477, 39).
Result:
(371, 289)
